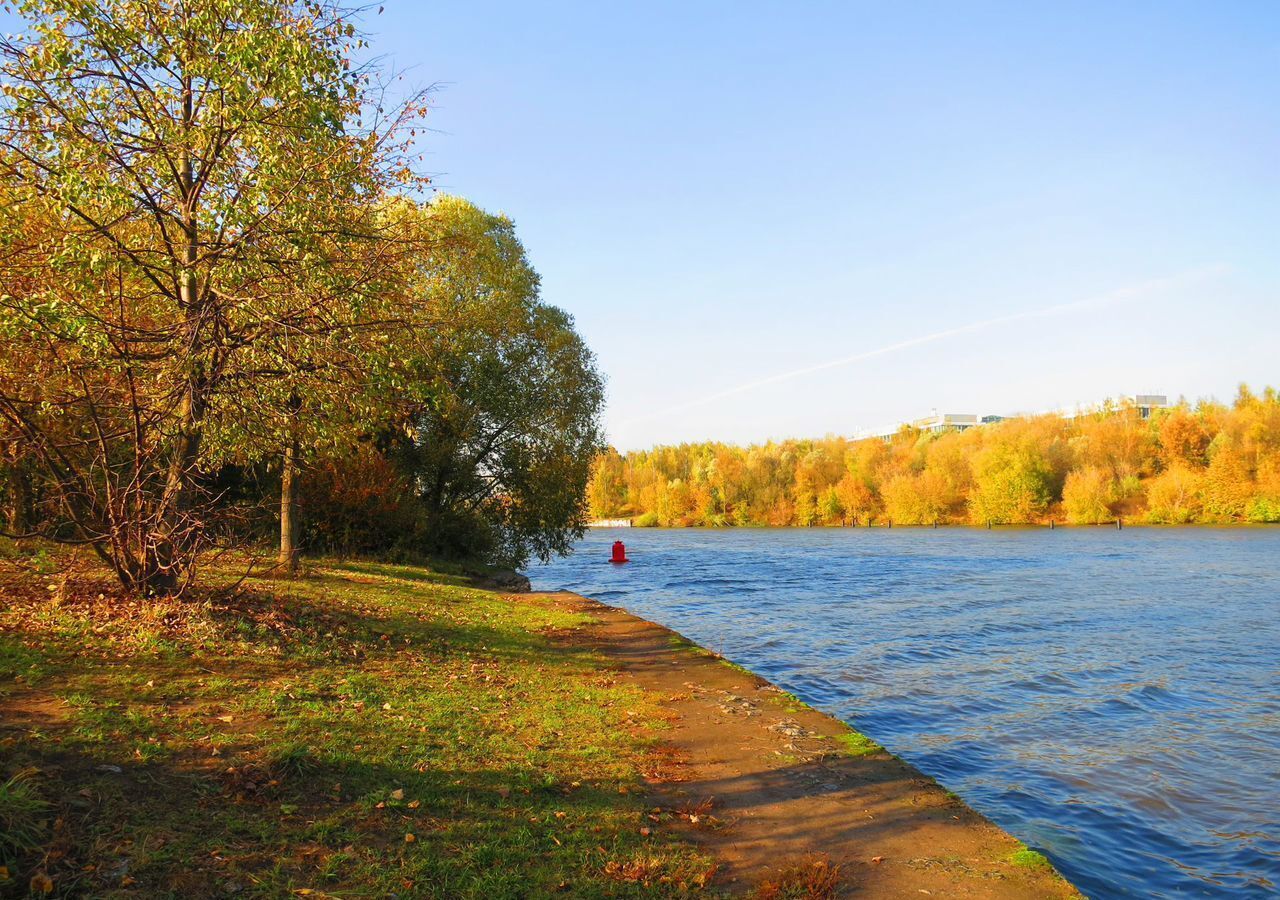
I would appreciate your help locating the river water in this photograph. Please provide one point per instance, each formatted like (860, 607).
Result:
(1110, 697)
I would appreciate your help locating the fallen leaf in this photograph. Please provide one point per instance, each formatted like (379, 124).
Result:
(410, 838)
(414, 804)
(397, 794)
(877, 859)
(41, 884)
(646, 831)
(226, 718)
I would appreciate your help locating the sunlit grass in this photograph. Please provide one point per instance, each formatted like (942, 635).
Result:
(364, 731)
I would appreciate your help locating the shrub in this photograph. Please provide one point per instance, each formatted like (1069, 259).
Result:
(1173, 498)
(1087, 496)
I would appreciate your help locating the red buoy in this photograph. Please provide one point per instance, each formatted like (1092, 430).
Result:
(619, 552)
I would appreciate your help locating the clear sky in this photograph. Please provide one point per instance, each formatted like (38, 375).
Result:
(794, 219)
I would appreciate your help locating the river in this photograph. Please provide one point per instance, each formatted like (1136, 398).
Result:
(1112, 698)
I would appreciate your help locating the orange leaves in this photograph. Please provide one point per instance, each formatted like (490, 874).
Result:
(813, 878)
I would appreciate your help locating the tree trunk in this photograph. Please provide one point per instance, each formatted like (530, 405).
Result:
(289, 510)
(168, 554)
(19, 497)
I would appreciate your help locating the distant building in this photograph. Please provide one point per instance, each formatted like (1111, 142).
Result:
(935, 423)
(945, 422)
(1148, 403)
(1145, 404)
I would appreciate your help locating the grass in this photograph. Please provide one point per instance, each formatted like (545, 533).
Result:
(857, 744)
(1030, 859)
(368, 731)
(23, 814)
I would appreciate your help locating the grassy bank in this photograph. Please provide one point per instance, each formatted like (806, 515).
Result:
(367, 731)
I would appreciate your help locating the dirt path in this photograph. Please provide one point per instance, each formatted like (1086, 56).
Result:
(764, 783)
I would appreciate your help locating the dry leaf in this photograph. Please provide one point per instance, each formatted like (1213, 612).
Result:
(41, 884)
(876, 859)
(409, 838)
(414, 804)
(397, 794)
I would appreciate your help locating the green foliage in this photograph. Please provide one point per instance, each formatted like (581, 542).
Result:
(196, 234)
(1264, 509)
(492, 460)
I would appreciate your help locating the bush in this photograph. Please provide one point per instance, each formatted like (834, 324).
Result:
(1173, 498)
(1087, 496)
(1264, 509)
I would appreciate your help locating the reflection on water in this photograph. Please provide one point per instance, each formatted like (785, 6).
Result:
(1112, 698)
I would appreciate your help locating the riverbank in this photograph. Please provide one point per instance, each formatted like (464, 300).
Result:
(386, 730)
(777, 792)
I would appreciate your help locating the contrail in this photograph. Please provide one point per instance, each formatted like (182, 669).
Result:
(1110, 298)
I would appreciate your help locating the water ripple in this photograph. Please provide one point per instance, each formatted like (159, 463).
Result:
(1109, 697)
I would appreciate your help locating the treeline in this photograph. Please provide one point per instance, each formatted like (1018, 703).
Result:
(1210, 463)
(226, 312)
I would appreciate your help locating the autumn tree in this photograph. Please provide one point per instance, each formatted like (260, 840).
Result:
(501, 403)
(606, 493)
(1088, 495)
(1011, 484)
(1184, 439)
(1174, 496)
(185, 172)
(1213, 463)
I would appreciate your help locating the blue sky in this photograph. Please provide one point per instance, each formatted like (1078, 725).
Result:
(1028, 204)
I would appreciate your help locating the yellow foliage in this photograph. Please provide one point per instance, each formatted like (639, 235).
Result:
(1087, 496)
(1213, 463)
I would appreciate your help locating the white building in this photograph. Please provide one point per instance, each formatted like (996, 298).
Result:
(1145, 404)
